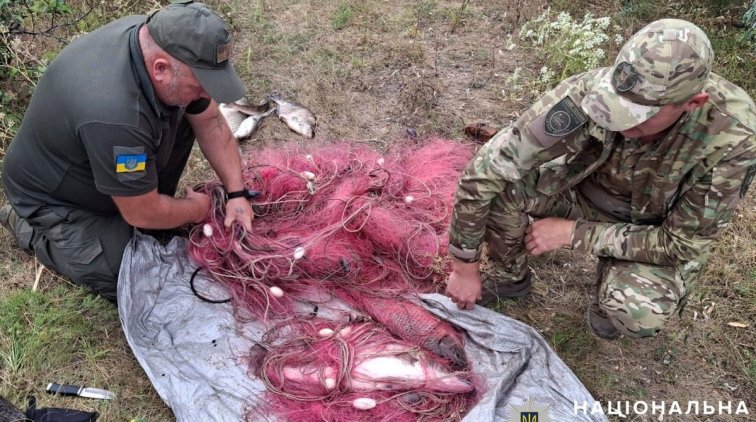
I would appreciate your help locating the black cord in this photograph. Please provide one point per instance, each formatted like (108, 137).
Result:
(196, 293)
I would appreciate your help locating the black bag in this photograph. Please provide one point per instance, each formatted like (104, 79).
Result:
(53, 414)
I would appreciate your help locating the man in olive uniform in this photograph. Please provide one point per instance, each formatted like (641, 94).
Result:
(107, 134)
(641, 164)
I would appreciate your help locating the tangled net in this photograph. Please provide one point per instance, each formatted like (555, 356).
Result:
(320, 371)
(334, 216)
(368, 228)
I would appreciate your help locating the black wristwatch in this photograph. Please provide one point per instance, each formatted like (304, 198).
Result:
(244, 193)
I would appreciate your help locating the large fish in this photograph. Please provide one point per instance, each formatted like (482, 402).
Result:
(401, 367)
(233, 117)
(296, 117)
(414, 324)
(244, 119)
(250, 124)
(393, 366)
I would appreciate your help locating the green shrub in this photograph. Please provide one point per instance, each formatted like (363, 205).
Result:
(566, 46)
(570, 47)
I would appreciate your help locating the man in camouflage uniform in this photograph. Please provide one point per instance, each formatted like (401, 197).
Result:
(641, 164)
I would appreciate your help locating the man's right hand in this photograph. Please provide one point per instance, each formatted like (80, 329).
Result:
(464, 286)
(202, 202)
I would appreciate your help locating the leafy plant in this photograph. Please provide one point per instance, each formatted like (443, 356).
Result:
(567, 46)
(458, 15)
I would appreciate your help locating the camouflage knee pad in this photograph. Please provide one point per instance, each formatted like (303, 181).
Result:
(638, 298)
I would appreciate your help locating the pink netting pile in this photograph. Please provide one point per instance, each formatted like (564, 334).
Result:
(368, 228)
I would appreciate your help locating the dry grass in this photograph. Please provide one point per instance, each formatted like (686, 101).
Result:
(370, 70)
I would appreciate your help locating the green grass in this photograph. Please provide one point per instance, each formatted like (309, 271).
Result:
(751, 372)
(734, 57)
(570, 336)
(642, 10)
(459, 15)
(66, 335)
(369, 69)
(342, 15)
(46, 335)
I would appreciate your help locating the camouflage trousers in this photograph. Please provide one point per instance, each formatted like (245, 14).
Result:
(637, 297)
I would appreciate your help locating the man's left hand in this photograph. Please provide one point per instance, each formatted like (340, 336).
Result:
(239, 209)
(548, 234)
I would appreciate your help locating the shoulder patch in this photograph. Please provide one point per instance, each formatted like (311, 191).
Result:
(130, 162)
(564, 118)
(747, 180)
(127, 163)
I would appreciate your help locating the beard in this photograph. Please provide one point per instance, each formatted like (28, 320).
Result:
(173, 87)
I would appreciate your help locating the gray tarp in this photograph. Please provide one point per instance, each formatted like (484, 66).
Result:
(194, 352)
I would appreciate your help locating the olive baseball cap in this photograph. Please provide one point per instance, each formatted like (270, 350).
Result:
(666, 62)
(193, 34)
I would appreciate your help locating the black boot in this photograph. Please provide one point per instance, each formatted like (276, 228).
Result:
(493, 291)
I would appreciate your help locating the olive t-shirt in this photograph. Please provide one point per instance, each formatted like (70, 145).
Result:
(93, 128)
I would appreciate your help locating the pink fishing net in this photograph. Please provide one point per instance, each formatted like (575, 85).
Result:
(368, 228)
(316, 370)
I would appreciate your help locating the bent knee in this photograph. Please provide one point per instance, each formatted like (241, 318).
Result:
(637, 319)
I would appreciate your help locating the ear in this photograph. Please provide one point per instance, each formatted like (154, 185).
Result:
(696, 101)
(161, 69)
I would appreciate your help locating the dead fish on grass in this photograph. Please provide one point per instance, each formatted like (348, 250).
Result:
(250, 124)
(296, 117)
(244, 119)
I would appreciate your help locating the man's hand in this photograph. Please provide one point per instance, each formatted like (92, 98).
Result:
(239, 209)
(548, 234)
(200, 202)
(463, 286)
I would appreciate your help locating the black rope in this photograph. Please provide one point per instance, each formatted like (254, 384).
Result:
(203, 298)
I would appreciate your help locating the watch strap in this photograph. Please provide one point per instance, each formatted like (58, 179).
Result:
(244, 193)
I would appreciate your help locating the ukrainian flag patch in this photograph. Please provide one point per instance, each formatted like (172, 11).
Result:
(129, 163)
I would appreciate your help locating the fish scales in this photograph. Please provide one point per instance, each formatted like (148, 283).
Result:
(413, 323)
(296, 117)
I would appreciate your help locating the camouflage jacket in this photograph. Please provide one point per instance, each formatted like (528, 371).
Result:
(683, 193)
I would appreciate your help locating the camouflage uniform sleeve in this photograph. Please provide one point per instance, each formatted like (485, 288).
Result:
(696, 219)
(501, 161)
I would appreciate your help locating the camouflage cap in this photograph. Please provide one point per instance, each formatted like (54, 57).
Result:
(192, 33)
(666, 62)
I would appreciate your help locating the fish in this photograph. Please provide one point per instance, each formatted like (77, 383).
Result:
(391, 366)
(250, 109)
(250, 124)
(396, 367)
(233, 117)
(297, 118)
(243, 119)
(412, 323)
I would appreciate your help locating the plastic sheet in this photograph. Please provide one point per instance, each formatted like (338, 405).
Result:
(195, 353)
